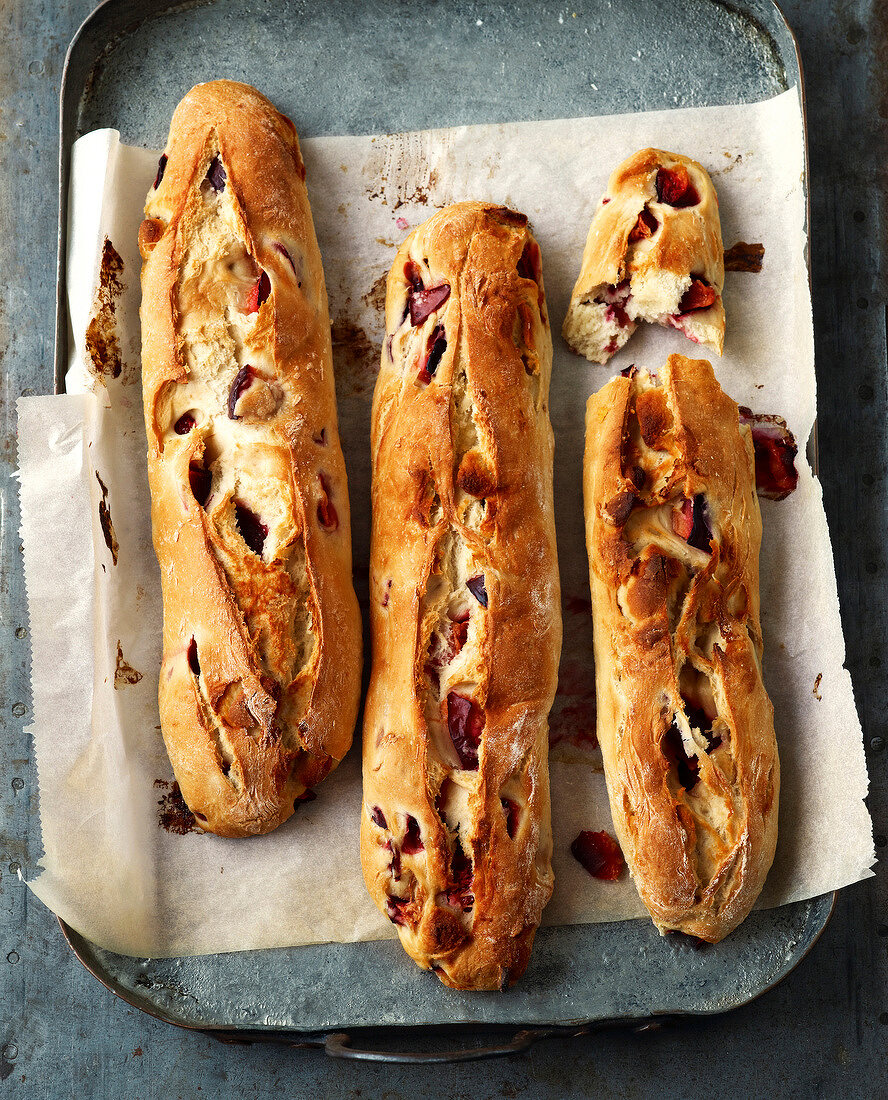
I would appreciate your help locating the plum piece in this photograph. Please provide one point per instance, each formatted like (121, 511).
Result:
(259, 293)
(423, 303)
(674, 187)
(476, 586)
(395, 909)
(687, 767)
(242, 381)
(378, 817)
(600, 854)
(615, 298)
(184, 424)
(327, 515)
(646, 226)
(412, 842)
(161, 168)
(216, 175)
(529, 263)
(690, 521)
(434, 355)
(252, 530)
(699, 295)
(775, 453)
(193, 661)
(201, 482)
(461, 874)
(465, 723)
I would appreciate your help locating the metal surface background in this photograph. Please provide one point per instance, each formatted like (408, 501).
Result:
(822, 1031)
(294, 990)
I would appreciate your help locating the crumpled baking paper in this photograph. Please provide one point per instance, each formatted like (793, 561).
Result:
(113, 865)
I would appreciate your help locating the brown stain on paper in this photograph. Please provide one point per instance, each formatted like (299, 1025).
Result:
(174, 814)
(354, 356)
(105, 521)
(102, 342)
(124, 673)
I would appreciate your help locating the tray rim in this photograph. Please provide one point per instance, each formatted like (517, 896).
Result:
(127, 15)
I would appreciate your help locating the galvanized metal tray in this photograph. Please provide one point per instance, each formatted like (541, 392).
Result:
(338, 68)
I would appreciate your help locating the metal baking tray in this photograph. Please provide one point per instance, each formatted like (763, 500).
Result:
(338, 67)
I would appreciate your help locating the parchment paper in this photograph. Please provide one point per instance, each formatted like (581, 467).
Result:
(109, 868)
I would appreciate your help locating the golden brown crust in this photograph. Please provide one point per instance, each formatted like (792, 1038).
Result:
(685, 725)
(643, 253)
(262, 644)
(464, 596)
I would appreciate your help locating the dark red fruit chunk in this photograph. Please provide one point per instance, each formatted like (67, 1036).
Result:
(699, 295)
(378, 817)
(443, 647)
(252, 530)
(600, 854)
(321, 438)
(437, 347)
(775, 452)
(690, 522)
(687, 767)
(327, 516)
(646, 226)
(278, 247)
(529, 264)
(465, 723)
(615, 298)
(412, 275)
(412, 842)
(161, 168)
(629, 372)
(184, 424)
(201, 481)
(242, 381)
(216, 175)
(701, 533)
(394, 909)
(675, 188)
(458, 893)
(193, 662)
(476, 586)
(512, 814)
(683, 519)
(259, 293)
(306, 796)
(386, 593)
(423, 303)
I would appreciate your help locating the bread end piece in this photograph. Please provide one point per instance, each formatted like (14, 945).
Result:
(653, 253)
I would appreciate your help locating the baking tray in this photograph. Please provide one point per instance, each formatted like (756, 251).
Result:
(345, 68)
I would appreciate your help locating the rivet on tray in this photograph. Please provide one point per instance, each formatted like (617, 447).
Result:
(21, 632)
(18, 709)
(12, 957)
(877, 744)
(17, 783)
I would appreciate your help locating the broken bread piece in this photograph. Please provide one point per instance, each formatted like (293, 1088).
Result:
(654, 253)
(686, 727)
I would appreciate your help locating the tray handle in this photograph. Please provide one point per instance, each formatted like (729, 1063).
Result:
(338, 1045)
